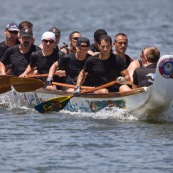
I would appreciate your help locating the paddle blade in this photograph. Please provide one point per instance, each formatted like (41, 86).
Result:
(53, 104)
(5, 85)
(22, 84)
(5, 78)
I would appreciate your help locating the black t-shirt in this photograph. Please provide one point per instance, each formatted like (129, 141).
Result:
(95, 67)
(93, 48)
(128, 60)
(43, 63)
(140, 63)
(3, 48)
(104, 71)
(143, 74)
(72, 66)
(18, 61)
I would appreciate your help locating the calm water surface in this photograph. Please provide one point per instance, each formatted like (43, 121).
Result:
(91, 143)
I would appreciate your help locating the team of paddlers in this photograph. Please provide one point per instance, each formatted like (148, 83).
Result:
(77, 63)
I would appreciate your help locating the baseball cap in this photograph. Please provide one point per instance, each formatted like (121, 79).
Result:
(55, 30)
(98, 33)
(26, 32)
(83, 42)
(48, 35)
(12, 27)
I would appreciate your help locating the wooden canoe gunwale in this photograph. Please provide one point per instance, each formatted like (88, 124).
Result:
(90, 95)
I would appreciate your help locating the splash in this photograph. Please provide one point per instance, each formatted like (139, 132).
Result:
(114, 113)
(14, 101)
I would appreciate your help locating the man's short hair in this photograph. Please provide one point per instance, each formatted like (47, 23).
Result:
(153, 54)
(120, 34)
(74, 32)
(25, 24)
(55, 30)
(98, 33)
(106, 38)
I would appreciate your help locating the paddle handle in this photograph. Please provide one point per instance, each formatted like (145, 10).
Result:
(37, 75)
(61, 84)
(71, 86)
(100, 87)
(8, 72)
(104, 86)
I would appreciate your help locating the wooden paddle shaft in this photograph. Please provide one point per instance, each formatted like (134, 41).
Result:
(71, 86)
(37, 75)
(105, 86)
(100, 87)
(60, 84)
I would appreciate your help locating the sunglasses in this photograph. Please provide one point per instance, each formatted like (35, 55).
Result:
(142, 56)
(50, 41)
(13, 32)
(75, 38)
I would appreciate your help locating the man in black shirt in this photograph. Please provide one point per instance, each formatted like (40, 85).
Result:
(104, 68)
(19, 55)
(72, 46)
(137, 63)
(57, 33)
(43, 59)
(145, 75)
(11, 32)
(94, 47)
(121, 43)
(72, 63)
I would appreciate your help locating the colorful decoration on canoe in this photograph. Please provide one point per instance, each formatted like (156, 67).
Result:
(166, 68)
(98, 105)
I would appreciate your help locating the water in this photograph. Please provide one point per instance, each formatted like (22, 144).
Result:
(78, 143)
(145, 22)
(69, 142)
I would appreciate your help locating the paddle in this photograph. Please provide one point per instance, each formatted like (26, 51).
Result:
(22, 84)
(36, 76)
(58, 103)
(5, 85)
(8, 71)
(71, 86)
(25, 84)
(61, 84)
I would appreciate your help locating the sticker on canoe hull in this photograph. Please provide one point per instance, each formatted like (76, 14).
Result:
(166, 68)
(98, 105)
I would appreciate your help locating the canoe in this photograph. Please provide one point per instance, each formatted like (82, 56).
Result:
(150, 102)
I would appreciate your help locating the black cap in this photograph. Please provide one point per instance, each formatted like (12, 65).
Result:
(98, 33)
(55, 30)
(26, 32)
(83, 42)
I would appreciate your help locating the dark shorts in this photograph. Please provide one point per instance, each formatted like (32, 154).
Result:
(114, 88)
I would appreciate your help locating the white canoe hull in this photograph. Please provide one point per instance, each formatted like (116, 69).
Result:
(89, 102)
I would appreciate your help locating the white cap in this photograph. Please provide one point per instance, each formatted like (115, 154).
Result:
(48, 35)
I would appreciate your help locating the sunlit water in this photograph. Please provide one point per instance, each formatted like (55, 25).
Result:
(81, 142)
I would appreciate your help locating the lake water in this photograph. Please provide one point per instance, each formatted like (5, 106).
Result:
(80, 142)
